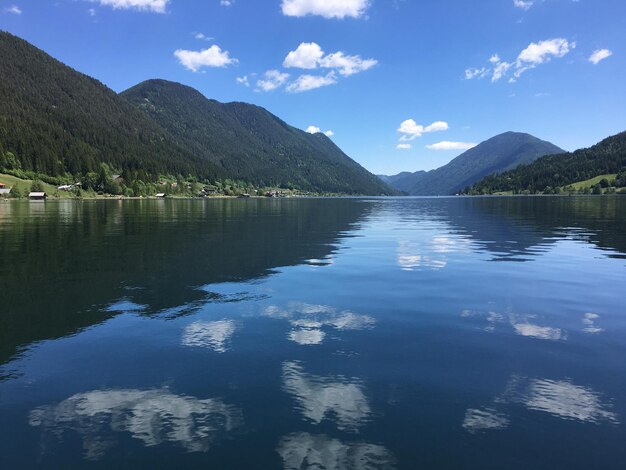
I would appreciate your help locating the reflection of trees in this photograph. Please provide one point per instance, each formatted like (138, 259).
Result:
(68, 257)
(152, 416)
(521, 227)
(304, 450)
(512, 228)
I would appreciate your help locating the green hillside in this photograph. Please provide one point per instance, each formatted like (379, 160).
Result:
(562, 170)
(59, 125)
(249, 142)
(57, 121)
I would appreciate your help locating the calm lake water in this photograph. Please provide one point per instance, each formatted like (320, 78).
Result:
(322, 333)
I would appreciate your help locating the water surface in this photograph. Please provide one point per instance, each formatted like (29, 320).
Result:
(314, 333)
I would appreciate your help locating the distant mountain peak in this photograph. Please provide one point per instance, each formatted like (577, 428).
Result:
(500, 153)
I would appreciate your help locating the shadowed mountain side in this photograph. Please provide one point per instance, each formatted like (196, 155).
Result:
(157, 254)
(496, 155)
(57, 120)
(250, 142)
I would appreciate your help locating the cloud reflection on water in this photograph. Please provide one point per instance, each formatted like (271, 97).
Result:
(152, 416)
(304, 450)
(558, 398)
(321, 397)
(589, 320)
(214, 335)
(412, 255)
(539, 332)
(309, 320)
(521, 325)
(481, 420)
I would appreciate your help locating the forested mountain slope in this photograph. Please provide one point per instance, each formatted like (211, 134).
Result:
(58, 122)
(250, 142)
(606, 157)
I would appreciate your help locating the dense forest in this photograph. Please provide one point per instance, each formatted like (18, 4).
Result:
(556, 173)
(57, 122)
(61, 126)
(249, 142)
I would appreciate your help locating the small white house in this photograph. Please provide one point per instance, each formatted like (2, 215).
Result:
(37, 196)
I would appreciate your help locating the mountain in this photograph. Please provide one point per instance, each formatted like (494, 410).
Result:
(60, 123)
(555, 171)
(250, 142)
(403, 181)
(496, 155)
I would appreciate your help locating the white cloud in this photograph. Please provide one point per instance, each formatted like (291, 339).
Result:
(243, 81)
(202, 37)
(92, 12)
(311, 82)
(211, 57)
(306, 56)
(310, 55)
(446, 145)
(411, 130)
(523, 4)
(13, 9)
(347, 64)
(403, 146)
(226, 3)
(156, 6)
(476, 73)
(326, 8)
(316, 130)
(543, 51)
(599, 56)
(534, 55)
(500, 70)
(272, 79)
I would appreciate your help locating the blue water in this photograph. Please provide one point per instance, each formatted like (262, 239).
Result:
(314, 333)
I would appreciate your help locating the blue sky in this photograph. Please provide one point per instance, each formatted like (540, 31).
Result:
(403, 85)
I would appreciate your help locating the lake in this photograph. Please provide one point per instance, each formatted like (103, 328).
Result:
(314, 333)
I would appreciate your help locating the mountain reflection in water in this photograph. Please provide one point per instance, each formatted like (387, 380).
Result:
(316, 333)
